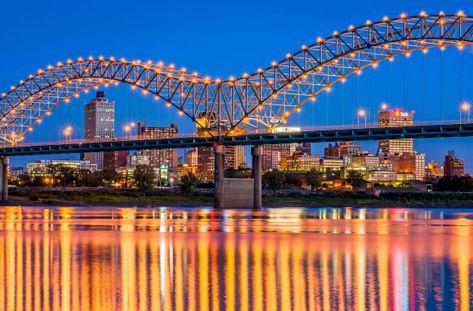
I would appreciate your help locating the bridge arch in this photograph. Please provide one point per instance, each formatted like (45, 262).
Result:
(265, 98)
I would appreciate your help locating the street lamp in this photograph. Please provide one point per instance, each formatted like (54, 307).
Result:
(67, 132)
(465, 107)
(127, 128)
(384, 106)
(361, 114)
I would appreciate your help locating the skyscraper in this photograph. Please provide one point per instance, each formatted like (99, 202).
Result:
(157, 157)
(394, 118)
(99, 124)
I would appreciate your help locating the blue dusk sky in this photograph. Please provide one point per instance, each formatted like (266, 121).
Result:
(223, 38)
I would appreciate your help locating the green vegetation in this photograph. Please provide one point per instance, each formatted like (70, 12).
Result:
(313, 178)
(105, 197)
(144, 176)
(355, 179)
(274, 180)
(188, 182)
(455, 183)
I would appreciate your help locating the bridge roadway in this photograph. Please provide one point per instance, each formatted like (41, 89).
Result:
(313, 136)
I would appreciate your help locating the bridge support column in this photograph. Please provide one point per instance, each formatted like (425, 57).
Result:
(257, 189)
(219, 177)
(3, 179)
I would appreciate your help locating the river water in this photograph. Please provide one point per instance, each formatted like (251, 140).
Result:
(201, 259)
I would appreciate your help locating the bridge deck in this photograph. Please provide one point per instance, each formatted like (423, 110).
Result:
(313, 136)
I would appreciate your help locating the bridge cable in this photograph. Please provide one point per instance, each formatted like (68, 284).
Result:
(343, 103)
(422, 102)
(370, 99)
(461, 75)
(441, 86)
(326, 108)
(386, 89)
(404, 83)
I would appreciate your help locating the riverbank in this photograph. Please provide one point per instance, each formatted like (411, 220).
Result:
(40, 196)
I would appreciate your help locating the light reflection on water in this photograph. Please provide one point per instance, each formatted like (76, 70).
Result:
(278, 259)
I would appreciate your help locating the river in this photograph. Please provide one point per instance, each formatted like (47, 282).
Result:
(202, 259)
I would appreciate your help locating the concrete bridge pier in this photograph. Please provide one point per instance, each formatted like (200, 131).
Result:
(3, 179)
(257, 189)
(219, 199)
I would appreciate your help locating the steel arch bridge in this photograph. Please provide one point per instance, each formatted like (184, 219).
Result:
(261, 100)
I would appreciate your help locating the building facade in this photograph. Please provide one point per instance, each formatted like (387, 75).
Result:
(40, 168)
(395, 118)
(100, 124)
(159, 157)
(453, 166)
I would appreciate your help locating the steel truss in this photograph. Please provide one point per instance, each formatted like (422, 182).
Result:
(262, 100)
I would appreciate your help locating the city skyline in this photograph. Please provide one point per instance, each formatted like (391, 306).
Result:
(386, 117)
(410, 83)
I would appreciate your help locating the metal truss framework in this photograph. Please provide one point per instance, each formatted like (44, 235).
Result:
(262, 100)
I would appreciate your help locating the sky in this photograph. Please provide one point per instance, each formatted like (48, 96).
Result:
(223, 38)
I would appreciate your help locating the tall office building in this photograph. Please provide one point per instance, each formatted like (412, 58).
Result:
(453, 166)
(394, 118)
(160, 157)
(99, 124)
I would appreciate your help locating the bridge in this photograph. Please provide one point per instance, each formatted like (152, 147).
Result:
(444, 130)
(230, 110)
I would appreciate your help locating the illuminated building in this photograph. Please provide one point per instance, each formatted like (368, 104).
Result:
(340, 149)
(396, 118)
(191, 157)
(272, 155)
(368, 161)
(233, 157)
(410, 163)
(453, 166)
(331, 164)
(433, 170)
(99, 124)
(382, 175)
(137, 159)
(158, 157)
(39, 168)
(300, 162)
(114, 159)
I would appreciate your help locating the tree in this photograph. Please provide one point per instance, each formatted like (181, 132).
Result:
(313, 178)
(144, 177)
(188, 182)
(274, 180)
(355, 179)
(109, 176)
(455, 183)
(67, 176)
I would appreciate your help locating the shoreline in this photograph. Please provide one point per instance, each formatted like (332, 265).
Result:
(85, 197)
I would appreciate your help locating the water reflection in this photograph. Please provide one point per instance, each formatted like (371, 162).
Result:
(132, 259)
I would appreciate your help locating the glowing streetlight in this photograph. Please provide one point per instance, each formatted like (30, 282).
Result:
(384, 106)
(67, 132)
(465, 108)
(361, 114)
(127, 128)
